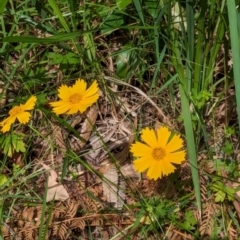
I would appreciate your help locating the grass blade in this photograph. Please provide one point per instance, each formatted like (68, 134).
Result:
(138, 6)
(190, 42)
(3, 4)
(234, 37)
(59, 15)
(191, 146)
(33, 39)
(187, 120)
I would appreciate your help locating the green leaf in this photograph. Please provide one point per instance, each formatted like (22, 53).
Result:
(3, 180)
(55, 38)
(122, 4)
(230, 193)
(112, 22)
(225, 164)
(228, 148)
(234, 38)
(16, 168)
(189, 216)
(153, 7)
(3, 4)
(161, 210)
(125, 59)
(58, 58)
(220, 196)
(20, 146)
(189, 222)
(57, 11)
(13, 143)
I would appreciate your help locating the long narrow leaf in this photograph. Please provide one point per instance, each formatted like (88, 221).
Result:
(55, 38)
(187, 120)
(138, 5)
(234, 37)
(190, 42)
(191, 146)
(57, 11)
(3, 4)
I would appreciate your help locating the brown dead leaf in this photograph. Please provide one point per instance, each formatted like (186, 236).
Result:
(147, 98)
(123, 155)
(114, 187)
(59, 140)
(236, 203)
(97, 143)
(85, 130)
(129, 171)
(56, 191)
(18, 159)
(3, 95)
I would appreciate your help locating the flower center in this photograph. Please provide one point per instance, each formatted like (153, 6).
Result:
(158, 153)
(15, 111)
(75, 98)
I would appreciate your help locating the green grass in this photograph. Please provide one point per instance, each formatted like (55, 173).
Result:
(173, 63)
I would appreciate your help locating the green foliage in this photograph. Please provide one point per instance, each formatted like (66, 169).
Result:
(111, 22)
(153, 8)
(201, 98)
(122, 4)
(190, 221)
(152, 211)
(233, 18)
(125, 56)
(222, 191)
(227, 165)
(155, 213)
(12, 142)
(3, 180)
(17, 169)
(67, 59)
(3, 4)
(228, 148)
(229, 131)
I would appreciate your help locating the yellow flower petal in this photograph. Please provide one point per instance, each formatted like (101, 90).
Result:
(167, 168)
(60, 107)
(140, 149)
(175, 143)
(177, 157)
(155, 171)
(58, 103)
(149, 137)
(163, 135)
(92, 90)
(141, 165)
(29, 105)
(24, 117)
(77, 108)
(63, 92)
(156, 155)
(89, 100)
(80, 86)
(8, 121)
(6, 128)
(4, 121)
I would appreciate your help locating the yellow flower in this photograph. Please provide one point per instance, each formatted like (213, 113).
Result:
(20, 113)
(158, 154)
(75, 98)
